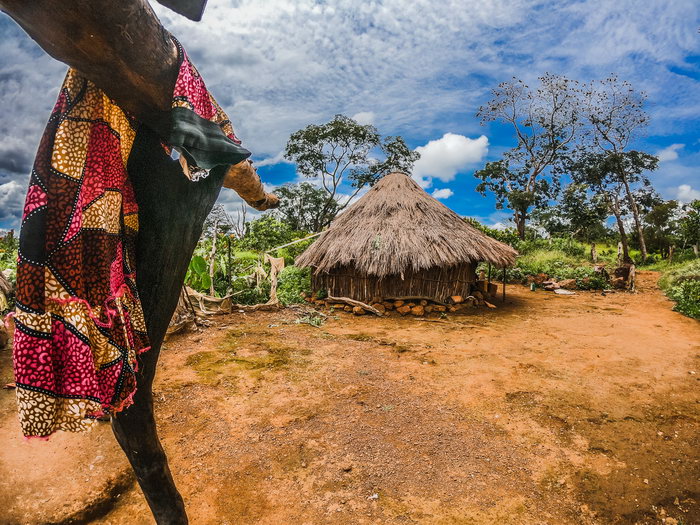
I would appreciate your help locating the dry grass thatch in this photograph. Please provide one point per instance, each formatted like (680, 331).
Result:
(397, 227)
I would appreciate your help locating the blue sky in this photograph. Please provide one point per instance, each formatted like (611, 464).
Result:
(415, 68)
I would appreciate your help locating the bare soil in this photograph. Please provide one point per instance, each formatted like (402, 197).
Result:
(549, 409)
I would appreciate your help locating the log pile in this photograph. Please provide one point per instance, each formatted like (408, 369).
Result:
(403, 306)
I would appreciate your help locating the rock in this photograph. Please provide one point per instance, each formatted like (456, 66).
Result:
(423, 302)
(439, 308)
(410, 305)
(451, 309)
(429, 308)
(379, 307)
(418, 310)
(375, 299)
(398, 304)
(479, 296)
(388, 305)
(320, 302)
(567, 284)
(347, 308)
(358, 310)
(550, 285)
(619, 283)
(456, 299)
(540, 278)
(403, 310)
(460, 307)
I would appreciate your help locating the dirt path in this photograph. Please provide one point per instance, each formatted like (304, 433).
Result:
(549, 409)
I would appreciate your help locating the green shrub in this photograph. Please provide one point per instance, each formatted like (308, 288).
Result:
(686, 294)
(682, 285)
(197, 276)
(292, 283)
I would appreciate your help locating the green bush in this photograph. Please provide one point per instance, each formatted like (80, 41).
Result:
(266, 233)
(682, 285)
(686, 294)
(292, 283)
(556, 264)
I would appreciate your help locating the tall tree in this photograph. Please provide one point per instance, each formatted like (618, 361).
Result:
(661, 225)
(580, 214)
(303, 206)
(689, 226)
(545, 121)
(343, 150)
(615, 115)
(601, 172)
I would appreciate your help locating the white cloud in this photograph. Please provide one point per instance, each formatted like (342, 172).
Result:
(445, 157)
(444, 193)
(11, 200)
(422, 67)
(669, 153)
(364, 117)
(269, 161)
(685, 193)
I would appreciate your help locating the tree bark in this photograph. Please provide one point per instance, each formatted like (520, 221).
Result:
(519, 219)
(621, 228)
(212, 259)
(635, 214)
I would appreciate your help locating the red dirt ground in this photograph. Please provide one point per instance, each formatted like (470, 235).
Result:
(550, 409)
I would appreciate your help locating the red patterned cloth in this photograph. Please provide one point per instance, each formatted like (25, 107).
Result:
(79, 321)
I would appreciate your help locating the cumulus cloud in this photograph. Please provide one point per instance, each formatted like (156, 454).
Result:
(685, 193)
(11, 200)
(669, 153)
(364, 117)
(444, 193)
(422, 67)
(445, 157)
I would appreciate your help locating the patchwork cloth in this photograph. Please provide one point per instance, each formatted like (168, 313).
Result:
(79, 321)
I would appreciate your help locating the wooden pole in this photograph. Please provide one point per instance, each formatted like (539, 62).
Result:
(504, 284)
(228, 260)
(489, 281)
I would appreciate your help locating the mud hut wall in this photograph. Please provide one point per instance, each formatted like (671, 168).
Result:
(436, 283)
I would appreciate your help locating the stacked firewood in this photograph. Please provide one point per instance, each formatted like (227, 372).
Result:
(416, 306)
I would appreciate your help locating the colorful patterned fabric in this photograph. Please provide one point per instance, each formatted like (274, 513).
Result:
(79, 321)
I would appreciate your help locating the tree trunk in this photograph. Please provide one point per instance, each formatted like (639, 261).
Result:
(212, 259)
(635, 214)
(621, 228)
(519, 219)
(594, 253)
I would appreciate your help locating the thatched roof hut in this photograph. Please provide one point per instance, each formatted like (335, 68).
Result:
(398, 241)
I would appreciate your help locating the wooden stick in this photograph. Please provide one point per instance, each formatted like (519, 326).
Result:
(353, 302)
(504, 284)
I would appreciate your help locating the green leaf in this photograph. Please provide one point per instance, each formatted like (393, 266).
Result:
(199, 264)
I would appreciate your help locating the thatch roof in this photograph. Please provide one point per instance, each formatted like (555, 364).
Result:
(396, 226)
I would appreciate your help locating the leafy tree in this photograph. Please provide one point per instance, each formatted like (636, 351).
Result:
(689, 226)
(580, 214)
(305, 207)
(343, 150)
(266, 233)
(661, 226)
(545, 121)
(609, 174)
(615, 114)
